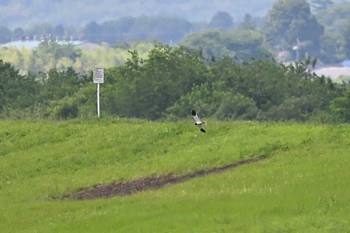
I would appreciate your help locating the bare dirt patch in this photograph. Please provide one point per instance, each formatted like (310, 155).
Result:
(139, 185)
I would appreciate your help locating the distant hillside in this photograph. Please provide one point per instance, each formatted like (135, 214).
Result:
(24, 13)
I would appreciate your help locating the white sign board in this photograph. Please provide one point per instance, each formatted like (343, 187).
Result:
(98, 75)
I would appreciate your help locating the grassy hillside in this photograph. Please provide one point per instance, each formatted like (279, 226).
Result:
(302, 186)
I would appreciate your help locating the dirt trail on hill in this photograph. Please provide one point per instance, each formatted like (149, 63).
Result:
(139, 185)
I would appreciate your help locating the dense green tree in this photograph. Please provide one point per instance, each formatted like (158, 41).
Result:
(16, 91)
(49, 55)
(340, 107)
(59, 96)
(336, 39)
(291, 21)
(236, 107)
(332, 48)
(170, 81)
(60, 84)
(57, 51)
(259, 90)
(146, 87)
(335, 18)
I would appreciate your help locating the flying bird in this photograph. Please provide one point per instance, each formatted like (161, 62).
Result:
(198, 121)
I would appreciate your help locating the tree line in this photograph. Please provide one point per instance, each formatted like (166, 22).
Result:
(170, 81)
(290, 30)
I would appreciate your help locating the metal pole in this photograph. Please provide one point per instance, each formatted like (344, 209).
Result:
(98, 100)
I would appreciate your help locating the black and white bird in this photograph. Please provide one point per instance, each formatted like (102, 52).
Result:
(198, 121)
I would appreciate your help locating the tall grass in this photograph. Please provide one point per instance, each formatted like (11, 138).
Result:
(301, 187)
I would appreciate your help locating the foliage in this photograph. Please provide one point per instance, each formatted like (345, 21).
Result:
(289, 21)
(170, 81)
(340, 106)
(221, 20)
(145, 88)
(243, 44)
(236, 107)
(335, 44)
(53, 55)
(16, 91)
(144, 28)
(286, 23)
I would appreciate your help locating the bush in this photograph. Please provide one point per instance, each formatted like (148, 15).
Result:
(236, 107)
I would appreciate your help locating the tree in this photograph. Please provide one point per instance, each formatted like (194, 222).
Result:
(162, 29)
(221, 20)
(60, 84)
(58, 30)
(291, 21)
(236, 107)
(115, 31)
(5, 34)
(248, 23)
(18, 33)
(243, 44)
(40, 29)
(51, 55)
(16, 91)
(145, 88)
(340, 107)
(92, 32)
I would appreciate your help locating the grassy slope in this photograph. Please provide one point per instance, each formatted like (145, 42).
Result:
(302, 187)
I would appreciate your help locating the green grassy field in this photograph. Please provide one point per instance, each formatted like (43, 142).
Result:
(302, 186)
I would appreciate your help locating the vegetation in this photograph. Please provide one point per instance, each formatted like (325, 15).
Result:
(229, 75)
(54, 55)
(172, 80)
(242, 44)
(302, 186)
(291, 21)
(291, 30)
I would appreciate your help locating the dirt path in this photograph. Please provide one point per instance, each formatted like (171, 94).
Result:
(139, 185)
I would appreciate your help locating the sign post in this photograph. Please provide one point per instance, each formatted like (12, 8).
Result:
(98, 77)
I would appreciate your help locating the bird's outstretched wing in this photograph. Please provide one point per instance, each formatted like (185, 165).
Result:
(196, 118)
(198, 121)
